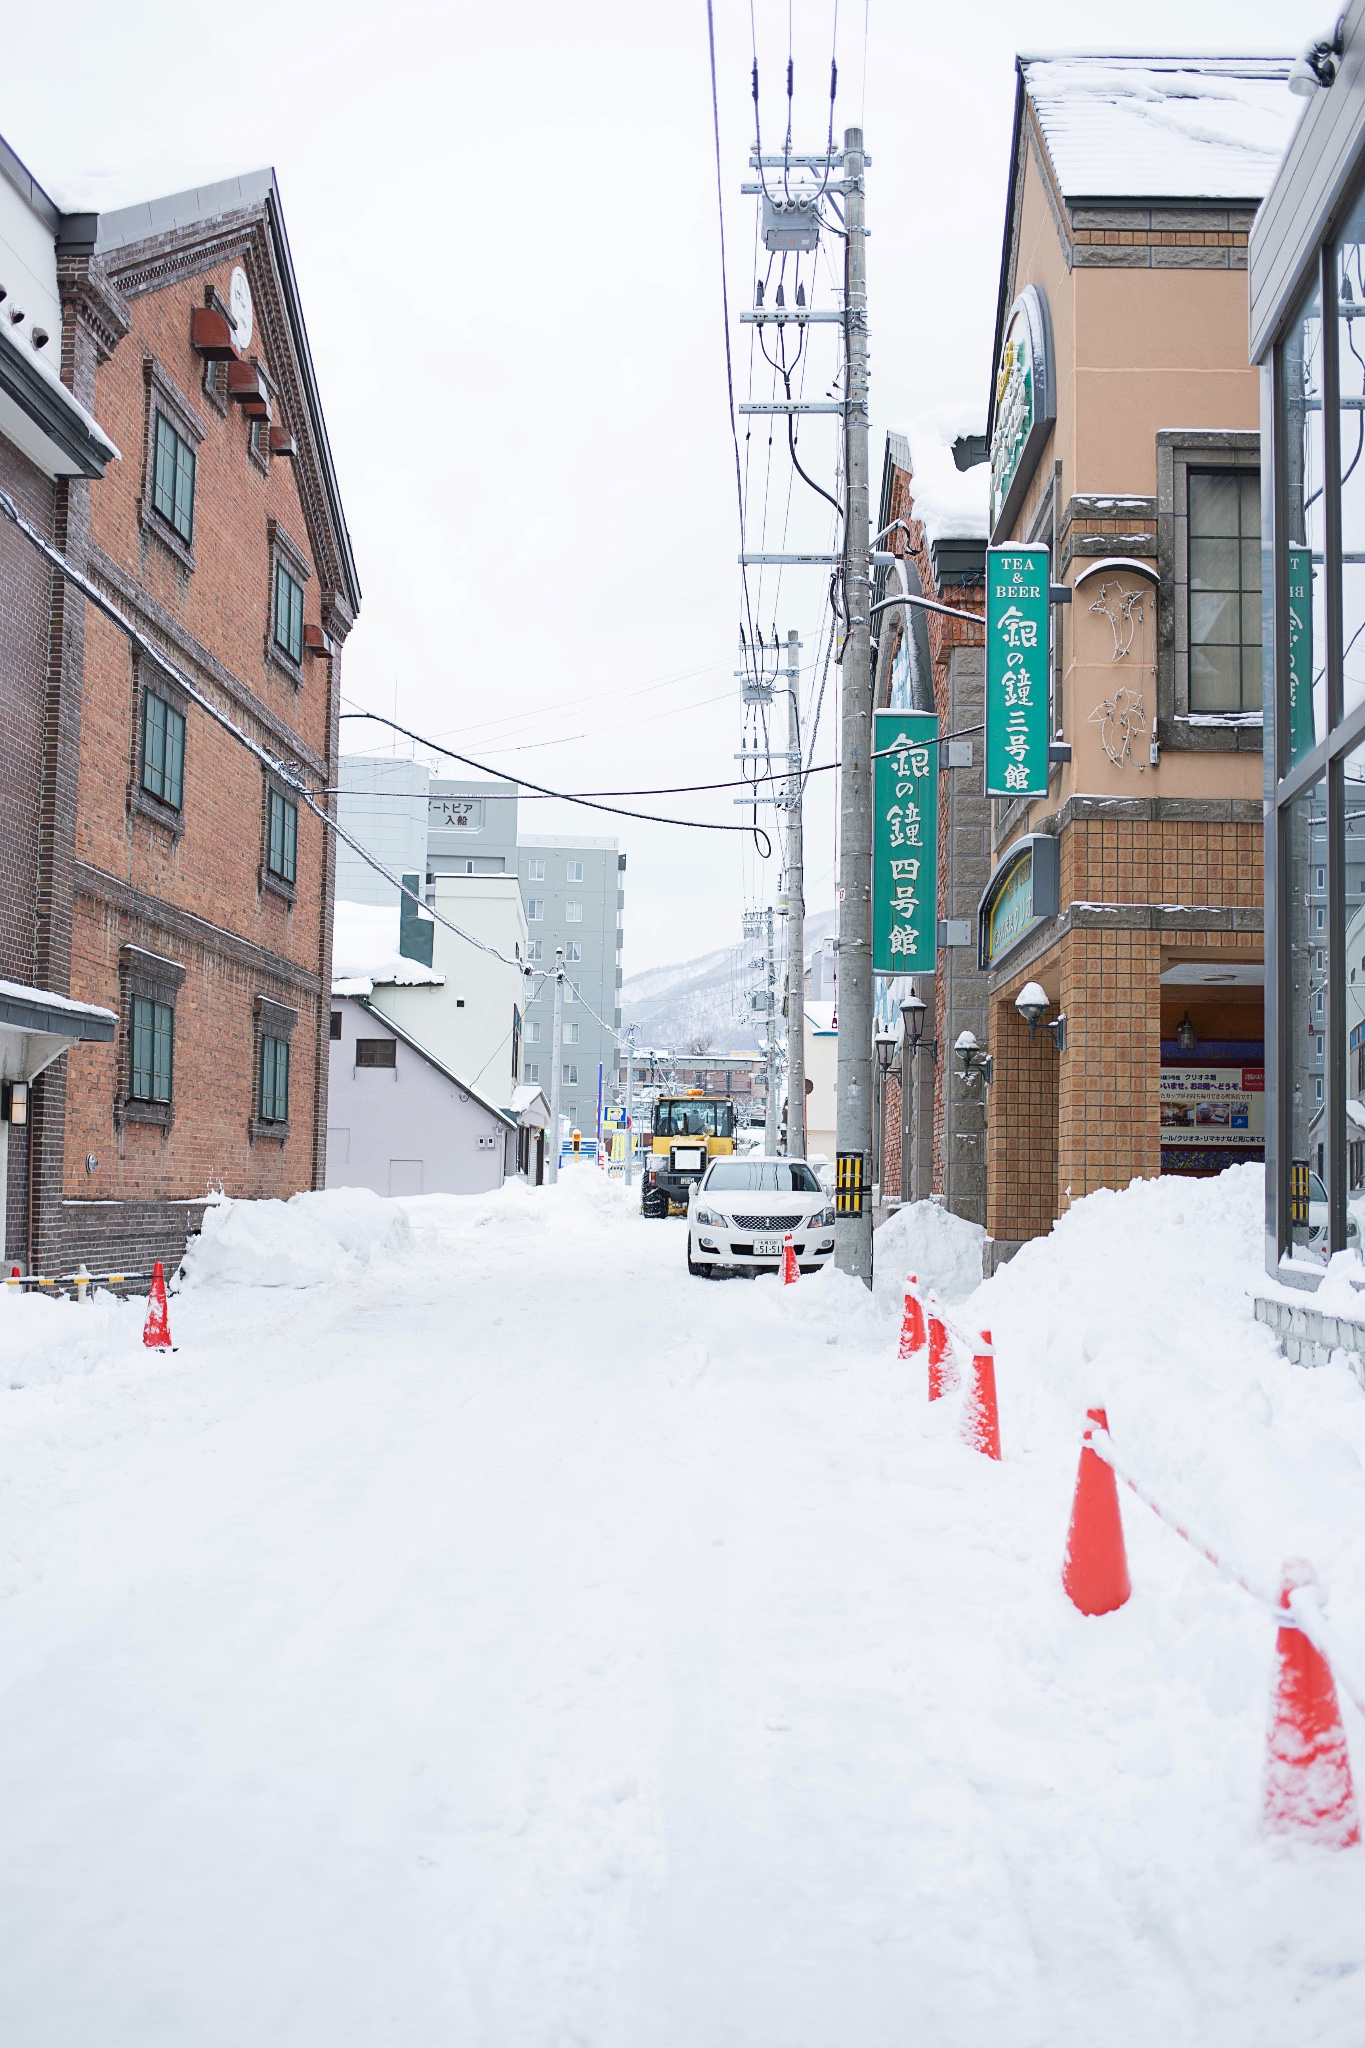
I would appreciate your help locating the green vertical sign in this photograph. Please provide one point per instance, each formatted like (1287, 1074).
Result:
(1016, 671)
(904, 842)
(1300, 653)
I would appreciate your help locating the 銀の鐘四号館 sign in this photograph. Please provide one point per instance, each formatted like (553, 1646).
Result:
(905, 842)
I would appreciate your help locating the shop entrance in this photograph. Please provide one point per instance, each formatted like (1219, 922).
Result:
(1212, 1066)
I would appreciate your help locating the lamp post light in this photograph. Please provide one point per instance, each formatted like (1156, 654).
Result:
(974, 1060)
(913, 1013)
(884, 1047)
(1032, 1003)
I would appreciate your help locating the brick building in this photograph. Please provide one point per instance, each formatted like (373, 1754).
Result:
(196, 896)
(933, 516)
(51, 450)
(1124, 424)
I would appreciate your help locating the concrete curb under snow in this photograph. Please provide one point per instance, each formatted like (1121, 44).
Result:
(1309, 1337)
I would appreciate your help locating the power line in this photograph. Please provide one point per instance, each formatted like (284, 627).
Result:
(589, 803)
(284, 770)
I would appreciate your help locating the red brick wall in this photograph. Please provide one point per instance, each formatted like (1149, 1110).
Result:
(196, 897)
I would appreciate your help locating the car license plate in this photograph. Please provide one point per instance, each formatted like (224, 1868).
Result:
(767, 1247)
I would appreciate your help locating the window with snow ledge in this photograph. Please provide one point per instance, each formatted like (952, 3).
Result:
(1209, 601)
(273, 1027)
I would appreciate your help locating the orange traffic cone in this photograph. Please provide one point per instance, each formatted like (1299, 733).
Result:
(791, 1272)
(1308, 1789)
(912, 1322)
(1095, 1570)
(156, 1331)
(980, 1416)
(943, 1374)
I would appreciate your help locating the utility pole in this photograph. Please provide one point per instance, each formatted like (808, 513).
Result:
(853, 1233)
(630, 1101)
(557, 1070)
(796, 918)
(770, 1120)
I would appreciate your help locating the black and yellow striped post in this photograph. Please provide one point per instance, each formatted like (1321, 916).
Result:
(848, 1184)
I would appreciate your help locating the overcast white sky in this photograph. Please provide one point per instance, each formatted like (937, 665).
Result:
(504, 223)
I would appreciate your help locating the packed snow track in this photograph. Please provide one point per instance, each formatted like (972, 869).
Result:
(479, 1632)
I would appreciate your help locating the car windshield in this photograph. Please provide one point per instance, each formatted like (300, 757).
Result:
(761, 1176)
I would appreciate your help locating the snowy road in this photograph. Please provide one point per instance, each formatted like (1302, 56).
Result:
(519, 1644)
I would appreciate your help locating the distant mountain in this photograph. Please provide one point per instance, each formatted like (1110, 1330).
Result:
(702, 1005)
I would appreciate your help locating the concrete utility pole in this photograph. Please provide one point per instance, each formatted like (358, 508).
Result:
(556, 1073)
(771, 1119)
(629, 1107)
(796, 918)
(853, 1234)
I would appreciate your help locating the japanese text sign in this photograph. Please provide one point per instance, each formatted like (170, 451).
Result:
(1016, 671)
(904, 842)
(1301, 733)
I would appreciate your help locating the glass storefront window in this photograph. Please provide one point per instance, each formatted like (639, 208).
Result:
(1301, 396)
(1304, 1028)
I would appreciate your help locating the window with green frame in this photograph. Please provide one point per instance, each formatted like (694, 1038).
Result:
(163, 750)
(274, 1080)
(282, 838)
(288, 613)
(153, 1038)
(173, 479)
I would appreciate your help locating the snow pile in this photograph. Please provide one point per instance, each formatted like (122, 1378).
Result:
(951, 503)
(1205, 128)
(943, 1251)
(311, 1240)
(365, 951)
(45, 1338)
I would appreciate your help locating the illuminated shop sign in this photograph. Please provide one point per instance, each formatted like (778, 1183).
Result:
(1024, 891)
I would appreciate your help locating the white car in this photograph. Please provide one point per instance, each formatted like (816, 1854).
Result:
(741, 1210)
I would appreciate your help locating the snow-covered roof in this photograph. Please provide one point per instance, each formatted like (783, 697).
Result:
(821, 1016)
(365, 949)
(952, 503)
(525, 1096)
(1163, 127)
(42, 998)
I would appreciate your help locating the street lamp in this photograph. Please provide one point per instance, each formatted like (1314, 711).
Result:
(914, 1010)
(1031, 1003)
(974, 1060)
(884, 1045)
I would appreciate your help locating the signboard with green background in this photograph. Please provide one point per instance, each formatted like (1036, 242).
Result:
(904, 842)
(1017, 693)
(1301, 734)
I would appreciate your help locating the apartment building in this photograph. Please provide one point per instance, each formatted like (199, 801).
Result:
(574, 893)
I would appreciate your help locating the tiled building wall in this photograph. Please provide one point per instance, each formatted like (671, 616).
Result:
(1210, 859)
(1023, 1127)
(1109, 1077)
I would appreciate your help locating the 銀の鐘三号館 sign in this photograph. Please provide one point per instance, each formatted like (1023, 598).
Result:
(1016, 671)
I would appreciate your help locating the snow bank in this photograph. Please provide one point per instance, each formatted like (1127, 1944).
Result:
(315, 1238)
(44, 1339)
(924, 1238)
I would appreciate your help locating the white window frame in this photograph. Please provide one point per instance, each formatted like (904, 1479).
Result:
(535, 871)
(535, 909)
(573, 871)
(572, 1033)
(573, 913)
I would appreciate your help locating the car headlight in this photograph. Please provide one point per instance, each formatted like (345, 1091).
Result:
(714, 1222)
(822, 1220)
